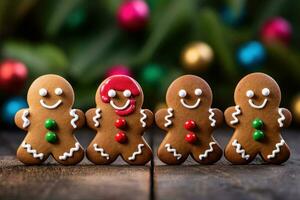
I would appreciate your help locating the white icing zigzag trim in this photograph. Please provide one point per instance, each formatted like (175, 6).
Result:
(102, 152)
(75, 117)
(34, 152)
(240, 150)
(96, 117)
(167, 117)
(173, 150)
(205, 154)
(138, 152)
(237, 112)
(211, 118)
(26, 121)
(144, 116)
(277, 150)
(70, 153)
(282, 117)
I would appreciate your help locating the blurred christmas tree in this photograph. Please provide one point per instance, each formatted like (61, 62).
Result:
(155, 41)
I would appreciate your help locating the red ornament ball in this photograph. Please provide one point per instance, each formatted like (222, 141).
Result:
(191, 138)
(133, 15)
(120, 123)
(121, 137)
(13, 75)
(118, 70)
(275, 30)
(190, 125)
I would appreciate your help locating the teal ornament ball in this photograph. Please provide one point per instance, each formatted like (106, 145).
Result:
(251, 55)
(11, 107)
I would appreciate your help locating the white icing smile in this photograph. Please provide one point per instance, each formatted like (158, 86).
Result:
(50, 107)
(182, 93)
(195, 105)
(44, 92)
(265, 92)
(261, 106)
(126, 105)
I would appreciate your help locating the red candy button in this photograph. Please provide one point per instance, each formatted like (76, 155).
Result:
(121, 137)
(120, 123)
(191, 138)
(190, 125)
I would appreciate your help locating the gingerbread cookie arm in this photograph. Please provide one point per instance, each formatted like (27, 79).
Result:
(163, 118)
(147, 118)
(93, 118)
(215, 117)
(231, 115)
(22, 119)
(78, 118)
(285, 118)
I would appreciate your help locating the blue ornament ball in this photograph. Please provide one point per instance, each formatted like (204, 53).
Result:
(251, 55)
(11, 107)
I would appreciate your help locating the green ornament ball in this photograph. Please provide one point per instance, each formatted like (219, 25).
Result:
(76, 18)
(152, 74)
(258, 135)
(257, 124)
(51, 137)
(50, 124)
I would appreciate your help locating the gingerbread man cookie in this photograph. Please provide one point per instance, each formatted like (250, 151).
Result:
(189, 122)
(119, 122)
(257, 120)
(50, 122)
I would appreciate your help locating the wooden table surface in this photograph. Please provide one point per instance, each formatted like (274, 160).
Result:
(153, 181)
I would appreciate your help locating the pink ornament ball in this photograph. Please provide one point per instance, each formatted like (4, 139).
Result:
(276, 30)
(133, 15)
(118, 70)
(13, 75)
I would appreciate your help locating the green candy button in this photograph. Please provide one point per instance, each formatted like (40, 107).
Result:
(50, 124)
(51, 137)
(258, 135)
(257, 124)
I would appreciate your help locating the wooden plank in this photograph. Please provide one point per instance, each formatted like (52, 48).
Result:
(84, 181)
(225, 181)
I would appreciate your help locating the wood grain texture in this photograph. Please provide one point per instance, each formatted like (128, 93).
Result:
(225, 181)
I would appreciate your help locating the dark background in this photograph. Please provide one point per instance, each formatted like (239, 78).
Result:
(84, 41)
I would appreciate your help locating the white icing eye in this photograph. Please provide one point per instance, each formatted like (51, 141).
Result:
(43, 92)
(112, 93)
(127, 93)
(182, 93)
(250, 93)
(58, 91)
(198, 92)
(265, 92)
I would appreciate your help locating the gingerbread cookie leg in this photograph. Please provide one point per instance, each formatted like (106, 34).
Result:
(208, 153)
(68, 154)
(137, 154)
(239, 153)
(101, 153)
(173, 153)
(31, 153)
(279, 153)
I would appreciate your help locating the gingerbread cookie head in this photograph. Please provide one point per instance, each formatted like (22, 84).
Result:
(257, 91)
(189, 93)
(120, 94)
(50, 92)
